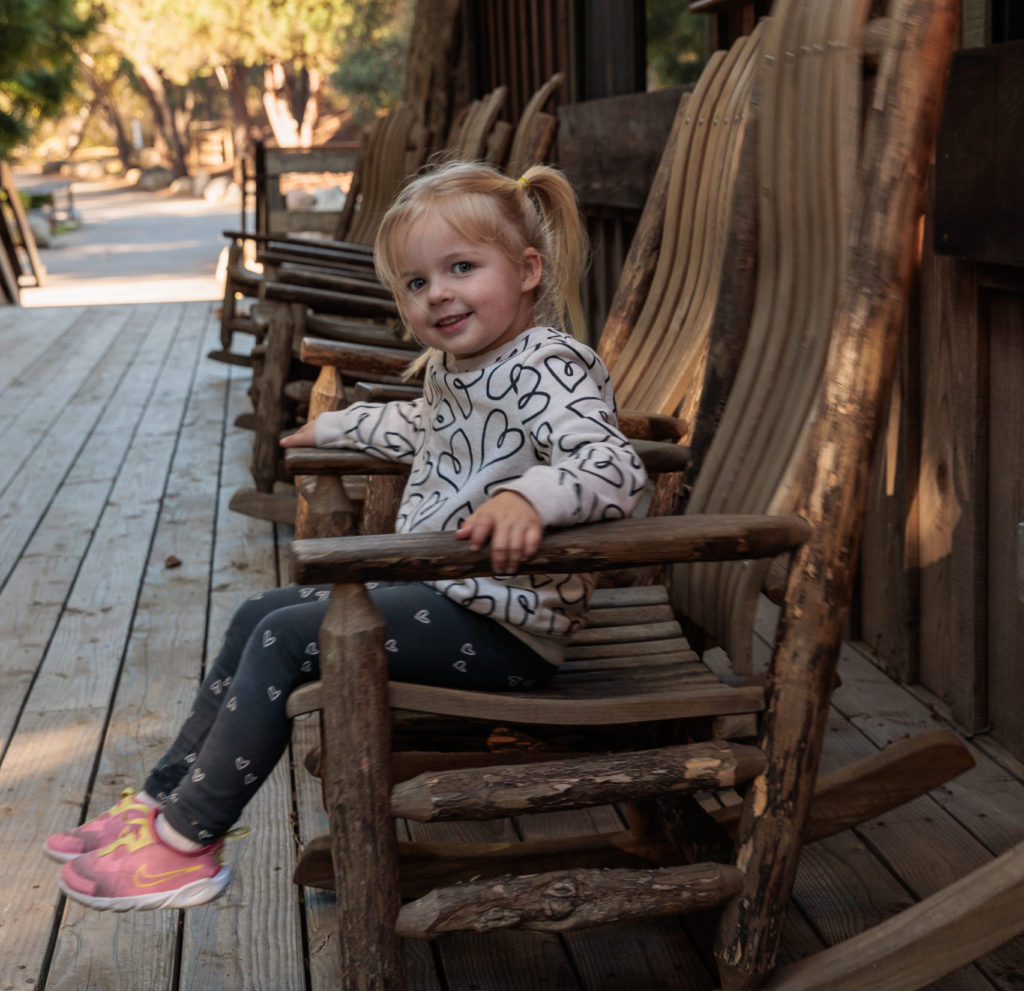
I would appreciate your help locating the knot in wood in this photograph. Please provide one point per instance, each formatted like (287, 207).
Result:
(498, 917)
(560, 899)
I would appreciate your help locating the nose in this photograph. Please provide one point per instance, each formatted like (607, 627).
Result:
(438, 291)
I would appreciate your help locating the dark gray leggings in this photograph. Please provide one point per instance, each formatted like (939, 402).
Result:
(238, 729)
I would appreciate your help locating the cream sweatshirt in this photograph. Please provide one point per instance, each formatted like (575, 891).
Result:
(535, 416)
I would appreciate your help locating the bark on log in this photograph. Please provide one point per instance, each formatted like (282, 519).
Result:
(356, 726)
(866, 788)
(493, 792)
(898, 145)
(567, 900)
(324, 508)
(595, 547)
(269, 390)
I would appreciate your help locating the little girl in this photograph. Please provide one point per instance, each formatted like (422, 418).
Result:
(515, 431)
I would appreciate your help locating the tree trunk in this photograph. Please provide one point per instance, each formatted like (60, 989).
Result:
(435, 77)
(233, 80)
(108, 110)
(165, 137)
(311, 111)
(277, 102)
(79, 124)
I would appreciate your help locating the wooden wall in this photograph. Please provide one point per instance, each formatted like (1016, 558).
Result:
(942, 598)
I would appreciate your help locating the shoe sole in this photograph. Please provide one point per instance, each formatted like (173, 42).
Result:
(60, 856)
(188, 896)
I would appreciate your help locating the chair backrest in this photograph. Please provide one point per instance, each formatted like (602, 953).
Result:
(394, 147)
(477, 134)
(535, 132)
(668, 299)
(809, 92)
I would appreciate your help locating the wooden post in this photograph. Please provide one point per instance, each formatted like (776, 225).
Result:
(357, 789)
(899, 139)
(324, 510)
(283, 318)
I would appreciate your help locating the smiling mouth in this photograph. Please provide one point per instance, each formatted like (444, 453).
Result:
(451, 321)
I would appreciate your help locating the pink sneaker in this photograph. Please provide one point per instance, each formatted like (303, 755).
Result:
(96, 833)
(139, 871)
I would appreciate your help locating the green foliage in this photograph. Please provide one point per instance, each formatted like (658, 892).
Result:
(676, 43)
(371, 71)
(37, 62)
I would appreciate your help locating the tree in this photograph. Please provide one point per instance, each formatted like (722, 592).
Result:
(676, 43)
(37, 62)
(371, 70)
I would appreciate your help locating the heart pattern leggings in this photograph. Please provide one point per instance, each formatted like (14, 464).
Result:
(238, 730)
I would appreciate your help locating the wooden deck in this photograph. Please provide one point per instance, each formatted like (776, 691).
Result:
(119, 564)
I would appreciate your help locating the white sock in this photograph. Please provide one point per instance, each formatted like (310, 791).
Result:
(173, 838)
(146, 799)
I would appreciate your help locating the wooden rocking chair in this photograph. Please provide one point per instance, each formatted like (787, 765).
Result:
(809, 63)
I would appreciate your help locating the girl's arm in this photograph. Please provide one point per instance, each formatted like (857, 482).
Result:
(589, 470)
(511, 524)
(386, 430)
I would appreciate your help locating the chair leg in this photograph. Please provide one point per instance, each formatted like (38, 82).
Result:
(268, 397)
(358, 791)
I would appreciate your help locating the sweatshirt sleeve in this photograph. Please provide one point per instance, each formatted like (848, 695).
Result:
(587, 470)
(392, 431)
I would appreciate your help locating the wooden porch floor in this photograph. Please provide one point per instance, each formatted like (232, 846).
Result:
(119, 565)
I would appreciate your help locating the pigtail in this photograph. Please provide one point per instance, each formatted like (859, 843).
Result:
(565, 243)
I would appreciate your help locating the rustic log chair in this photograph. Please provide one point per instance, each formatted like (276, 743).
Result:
(811, 59)
(293, 303)
(392, 147)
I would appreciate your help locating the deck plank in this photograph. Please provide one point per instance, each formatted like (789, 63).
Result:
(22, 351)
(69, 700)
(38, 469)
(250, 938)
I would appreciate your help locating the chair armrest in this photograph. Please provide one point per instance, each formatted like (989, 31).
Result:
(594, 547)
(357, 359)
(651, 426)
(657, 458)
(325, 301)
(357, 252)
(385, 392)
(337, 461)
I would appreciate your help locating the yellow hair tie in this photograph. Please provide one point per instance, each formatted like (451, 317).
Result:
(523, 180)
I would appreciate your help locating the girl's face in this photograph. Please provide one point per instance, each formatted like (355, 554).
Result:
(462, 296)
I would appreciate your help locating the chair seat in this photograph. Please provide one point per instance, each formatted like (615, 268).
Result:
(632, 664)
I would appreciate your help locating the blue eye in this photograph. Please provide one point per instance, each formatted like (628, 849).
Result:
(414, 285)
(462, 268)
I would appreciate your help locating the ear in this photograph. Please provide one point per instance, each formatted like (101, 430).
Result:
(532, 268)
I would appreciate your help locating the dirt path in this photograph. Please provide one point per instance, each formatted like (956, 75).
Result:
(134, 245)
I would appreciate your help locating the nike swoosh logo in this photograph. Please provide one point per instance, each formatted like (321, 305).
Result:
(144, 879)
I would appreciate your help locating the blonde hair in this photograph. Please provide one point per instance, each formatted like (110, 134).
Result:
(538, 210)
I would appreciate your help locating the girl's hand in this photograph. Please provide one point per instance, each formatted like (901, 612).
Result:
(305, 436)
(511, 524)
